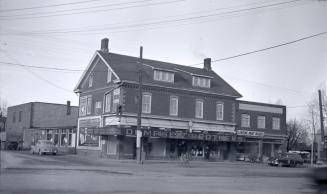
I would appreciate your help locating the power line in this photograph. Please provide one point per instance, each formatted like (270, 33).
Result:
(40, 67)
(267, 48)
(91, 11)
(45, 6)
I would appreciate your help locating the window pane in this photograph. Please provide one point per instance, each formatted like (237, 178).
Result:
(220, 111)
(146, 103)
(82, 107)
(109, 76)
(108, 102)
(89, 105)
(173, 106)
(199, 109)
(245, 122)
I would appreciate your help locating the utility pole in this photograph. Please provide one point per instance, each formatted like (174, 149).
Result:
(139, 113)
(322, 132)
(314, 138)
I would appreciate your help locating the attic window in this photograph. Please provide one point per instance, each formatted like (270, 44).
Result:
(165, 76)
(201, 81)
(109, 75)
(90, 81)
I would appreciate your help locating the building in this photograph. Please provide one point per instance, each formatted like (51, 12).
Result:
(29, 122)
(184, 109)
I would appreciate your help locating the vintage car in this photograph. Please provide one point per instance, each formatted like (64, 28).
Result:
(44, 147)
(286, 159)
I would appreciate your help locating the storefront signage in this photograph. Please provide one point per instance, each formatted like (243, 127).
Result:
(250, 133)
(84, 123)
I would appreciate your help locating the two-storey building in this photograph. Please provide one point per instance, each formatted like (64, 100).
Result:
(184, 109)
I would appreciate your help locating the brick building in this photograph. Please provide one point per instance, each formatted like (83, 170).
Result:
(184, 109)
(32, 121)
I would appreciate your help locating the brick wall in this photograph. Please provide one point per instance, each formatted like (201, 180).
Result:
(53, 115)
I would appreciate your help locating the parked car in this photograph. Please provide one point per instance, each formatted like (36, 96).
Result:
(12, 146)
(286, 159)
(44, 147)
(240, 157)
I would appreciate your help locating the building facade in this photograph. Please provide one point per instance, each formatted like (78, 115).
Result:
(32, 121)
(184, 109)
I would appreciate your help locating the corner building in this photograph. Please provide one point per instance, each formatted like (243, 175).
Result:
(184, 109)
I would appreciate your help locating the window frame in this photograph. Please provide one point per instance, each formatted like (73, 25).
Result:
(222, 111)
(201, 102)
(109, 75)
(107, 101)
(273, 123)
(259, 118)
(171, 104)
(248, 117)
(202, 82)
(164, 76)
(90, 81)
(146, 108)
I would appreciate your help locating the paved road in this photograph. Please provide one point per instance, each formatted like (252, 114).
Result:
(22, 172)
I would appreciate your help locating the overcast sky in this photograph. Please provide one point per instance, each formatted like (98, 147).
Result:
(65, 34)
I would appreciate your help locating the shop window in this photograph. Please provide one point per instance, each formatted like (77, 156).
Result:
(88, 140)
(245, 120)
(276, 123)
(261, 122)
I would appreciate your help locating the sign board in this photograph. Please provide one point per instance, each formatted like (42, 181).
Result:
(85, 123)
(250, 133)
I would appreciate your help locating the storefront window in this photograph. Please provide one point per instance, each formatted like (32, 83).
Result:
(86, 139)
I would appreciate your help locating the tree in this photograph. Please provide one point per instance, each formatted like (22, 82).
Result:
(3, 107)
(296, 134)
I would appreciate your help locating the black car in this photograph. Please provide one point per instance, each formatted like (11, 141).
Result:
(286, 159)
(12, 146)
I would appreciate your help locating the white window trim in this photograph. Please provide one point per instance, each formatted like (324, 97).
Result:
(202, 105)
(264, 122)
(171, 108)
(203, 82)
(90, 82)
(98, 104)
(88, 107)
(273, 125)
(150, 97)
(222, 111)
(249, 120)
(109, 76)
(107, 106)
(163, 76)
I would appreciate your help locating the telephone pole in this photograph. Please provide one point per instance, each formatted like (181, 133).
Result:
(322, 129)
(139, 113)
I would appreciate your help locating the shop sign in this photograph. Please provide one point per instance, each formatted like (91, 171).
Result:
(84, 123)
(105, 131)
(250, 133)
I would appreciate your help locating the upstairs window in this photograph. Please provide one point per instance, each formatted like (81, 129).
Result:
(163, 76)
(201, 82)
(20, 116)
(245, 120)
(275, 123)
(85, 106)
(261, 122)
(107, 101)
(14, 117)
(220, 111)
(109, 76)
(146, 103)
(90, 81)
(116, 97)
(173, 106)
(199, 109)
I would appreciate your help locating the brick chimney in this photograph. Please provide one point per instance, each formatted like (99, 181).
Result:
(68, 108)
(207, 64)
(104, 45)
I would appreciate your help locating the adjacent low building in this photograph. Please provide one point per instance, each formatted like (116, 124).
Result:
(184, 109)
(29, 122)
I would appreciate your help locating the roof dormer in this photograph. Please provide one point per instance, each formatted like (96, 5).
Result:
(163, 75)
(201, 81)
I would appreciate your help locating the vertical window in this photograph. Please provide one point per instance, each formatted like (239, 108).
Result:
(98, 104)
(245, 121)
(20, 116)
(14, 117)
(220, 111)
(276, 123)
(173, 107)
(146, 103)
(109, 76)
(115, 99)
(82, 105)
(107, 102)
(199, 109)
(261, 122)
(90, 81)
(89, 105)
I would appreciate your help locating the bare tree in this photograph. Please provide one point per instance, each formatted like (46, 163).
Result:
(3, 107)
(296, 134)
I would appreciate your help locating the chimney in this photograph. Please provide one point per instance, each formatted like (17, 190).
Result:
(68, 108)
(104, 45)
(207, 64)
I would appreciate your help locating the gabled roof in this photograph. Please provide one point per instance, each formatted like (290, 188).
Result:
(126, 68)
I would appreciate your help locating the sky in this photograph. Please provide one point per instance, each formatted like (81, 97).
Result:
(66, 33)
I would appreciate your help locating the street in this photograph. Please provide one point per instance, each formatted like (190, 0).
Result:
(22, 172)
